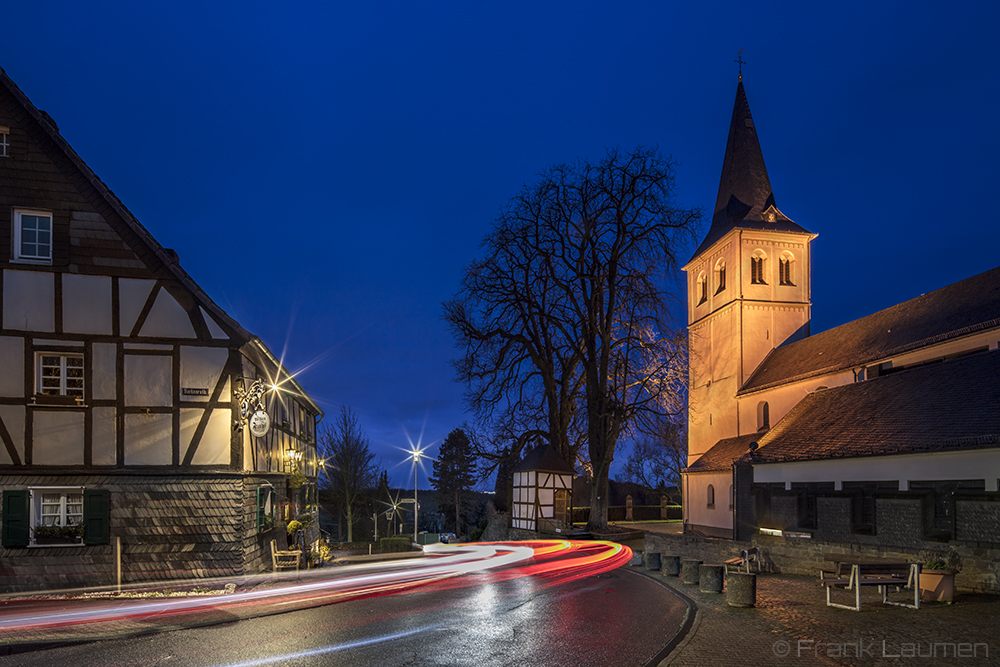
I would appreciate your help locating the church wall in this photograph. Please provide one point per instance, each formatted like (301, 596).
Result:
(714, 381)
(767, 326)
(726, 252)
(782, 399)
(696, 508)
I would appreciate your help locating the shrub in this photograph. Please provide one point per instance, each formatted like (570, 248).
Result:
(388, 545)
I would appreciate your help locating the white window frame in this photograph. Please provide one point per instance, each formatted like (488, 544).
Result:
(64, 390)
(4, 142)
(35, 497)
(17, 255)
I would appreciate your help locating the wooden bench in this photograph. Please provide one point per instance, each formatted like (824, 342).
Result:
(882, 575)
(746, 557)
(284, 560)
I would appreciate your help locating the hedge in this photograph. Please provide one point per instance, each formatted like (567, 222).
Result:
(389, 545)
(639, 513)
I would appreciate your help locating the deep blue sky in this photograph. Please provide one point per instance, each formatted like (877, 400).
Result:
(325, 173)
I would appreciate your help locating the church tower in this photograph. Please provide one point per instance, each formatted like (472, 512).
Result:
(748, 290)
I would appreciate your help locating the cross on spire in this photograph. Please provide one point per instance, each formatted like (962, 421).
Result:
(739, 60)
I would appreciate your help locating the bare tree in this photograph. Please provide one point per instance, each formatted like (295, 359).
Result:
(564, 322)
(350, 470)
(656, 461)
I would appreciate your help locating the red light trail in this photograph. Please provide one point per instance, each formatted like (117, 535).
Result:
(553, 561)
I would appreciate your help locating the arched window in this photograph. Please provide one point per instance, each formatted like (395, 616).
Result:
(702, 288)
(785, 269)
(711, 497)
(720, 275)
(763, 416)
(757, 265)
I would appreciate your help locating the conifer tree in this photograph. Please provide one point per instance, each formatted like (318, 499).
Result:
(454, 472)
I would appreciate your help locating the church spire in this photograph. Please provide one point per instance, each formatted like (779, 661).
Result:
(745, 198)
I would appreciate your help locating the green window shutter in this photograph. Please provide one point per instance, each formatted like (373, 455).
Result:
(97, 516)
(15, 518)
(260, 508)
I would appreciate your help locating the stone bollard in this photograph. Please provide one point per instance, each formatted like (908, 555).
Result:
(710, 578)
(652, 560)
(689, 570)
(670, 565)
(741, 589)
(636, 559)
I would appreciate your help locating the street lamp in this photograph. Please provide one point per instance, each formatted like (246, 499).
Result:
(415, 455)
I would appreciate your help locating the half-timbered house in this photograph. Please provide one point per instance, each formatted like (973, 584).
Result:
(125, 392)
(543, 488)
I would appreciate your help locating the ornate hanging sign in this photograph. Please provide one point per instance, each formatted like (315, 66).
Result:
(253, 398)
(259, 423)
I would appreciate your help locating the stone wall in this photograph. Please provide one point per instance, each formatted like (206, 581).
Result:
(979, 566)
(834, 519)
(978, 519)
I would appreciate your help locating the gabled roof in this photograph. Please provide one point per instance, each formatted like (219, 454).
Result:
(544, 457)
(943, 406)
(723, 453)
(159, 260)
(744, 189)
(959, 309)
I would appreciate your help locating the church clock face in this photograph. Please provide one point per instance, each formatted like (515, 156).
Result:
(259, 423)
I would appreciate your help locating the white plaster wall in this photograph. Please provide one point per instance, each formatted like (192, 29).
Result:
(167, 319)
(696, 500)
(104, 448)
(103, 362)
(147, 380)
(28, 300)
(13, 419)
(201, 368)
(147, 440)
(248, 460)
(12, 363)
(57, 437)
(213, 328)
(86, 304)
(545, 496)
(967, 464)
(214, 446)
(132, 295)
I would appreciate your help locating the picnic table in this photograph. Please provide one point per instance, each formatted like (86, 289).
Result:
(853, 572)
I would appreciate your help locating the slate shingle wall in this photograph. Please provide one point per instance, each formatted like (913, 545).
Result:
(170, 527)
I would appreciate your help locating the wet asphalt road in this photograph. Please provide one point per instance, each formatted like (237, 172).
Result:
(617, 618)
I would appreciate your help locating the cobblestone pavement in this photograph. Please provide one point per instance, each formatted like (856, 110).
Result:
(791, 626)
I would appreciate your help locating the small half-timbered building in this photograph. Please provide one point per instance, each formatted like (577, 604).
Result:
(127, 396)
(543, 492)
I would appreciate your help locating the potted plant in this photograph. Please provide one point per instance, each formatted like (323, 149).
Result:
(937, 581)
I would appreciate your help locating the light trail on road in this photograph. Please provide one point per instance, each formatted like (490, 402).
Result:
(554, 561)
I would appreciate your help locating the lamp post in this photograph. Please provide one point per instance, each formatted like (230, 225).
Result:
(415, 455)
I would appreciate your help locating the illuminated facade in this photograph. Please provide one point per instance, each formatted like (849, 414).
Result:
(813, 434)
(121, 436)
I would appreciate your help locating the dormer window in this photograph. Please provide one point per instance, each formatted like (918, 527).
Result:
(785, 270)
(4, 141)
(757, 268)
(720, 276)
(32, 236)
